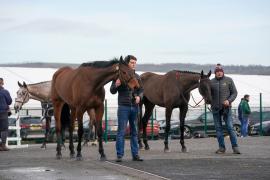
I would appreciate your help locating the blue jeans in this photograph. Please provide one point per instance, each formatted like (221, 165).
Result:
(217, 115)
(125, 114)
(244, 126)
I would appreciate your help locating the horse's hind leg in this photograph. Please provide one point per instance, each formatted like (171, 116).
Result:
(80, 133)
(140, 126)
(57, 114)
(148, 112)
(183, 111)
(71, 129)
(167, 129)
(99, 114)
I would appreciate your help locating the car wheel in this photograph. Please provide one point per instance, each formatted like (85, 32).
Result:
(187, 132)
(237, 129)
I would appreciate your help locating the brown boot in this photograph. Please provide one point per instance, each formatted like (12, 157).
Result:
(4, 147)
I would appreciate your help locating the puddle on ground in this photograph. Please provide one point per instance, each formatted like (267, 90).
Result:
(30, 169)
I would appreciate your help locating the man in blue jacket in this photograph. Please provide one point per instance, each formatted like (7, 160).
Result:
(128, 101)
(5, 101)
(223, 93)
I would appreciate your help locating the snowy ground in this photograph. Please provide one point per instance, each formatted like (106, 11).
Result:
(246, 84)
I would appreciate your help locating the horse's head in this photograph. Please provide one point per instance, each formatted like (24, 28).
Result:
(127, 75)
(205, 87)
(22, 96)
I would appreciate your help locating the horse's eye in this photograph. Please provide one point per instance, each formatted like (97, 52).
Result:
(124, 72)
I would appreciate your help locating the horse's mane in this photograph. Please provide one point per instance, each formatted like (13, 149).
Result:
(42, 82)
(187, 72)
(100, 64)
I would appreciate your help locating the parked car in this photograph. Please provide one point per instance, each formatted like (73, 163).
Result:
(195, 127)
(31, 127)
(255, 117)
(52, 132)
(113, 126)
(255, 129)
(111, 130)
(12, 122)
(148, 130)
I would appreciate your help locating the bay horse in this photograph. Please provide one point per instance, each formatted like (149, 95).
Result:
(171, 90)
(41, 91)
(80, 89)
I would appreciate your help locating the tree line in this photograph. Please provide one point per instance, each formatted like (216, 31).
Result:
(229, 69)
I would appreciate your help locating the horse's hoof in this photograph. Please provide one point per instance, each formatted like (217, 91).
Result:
(72, 156)
(167, 150)
(184, 150)
(94, 144)
(147, 148)
(103, 158)
(43, 146)
(58, 156)
(79, 158)
(63, 147)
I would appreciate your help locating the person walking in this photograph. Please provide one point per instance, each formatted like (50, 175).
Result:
(5, 101)
(223, 92)
(240, 114)
(245, 115)
(128, 101)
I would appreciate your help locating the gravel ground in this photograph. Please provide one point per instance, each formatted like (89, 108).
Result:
(200, 162)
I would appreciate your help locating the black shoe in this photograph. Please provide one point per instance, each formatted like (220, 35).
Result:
(118, 159)
(137, 158)
(236, 150)
(221, 150)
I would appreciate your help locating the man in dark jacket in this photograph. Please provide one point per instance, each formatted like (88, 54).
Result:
(128, 101)
(5, 101)
(245, 115)
(223, 94)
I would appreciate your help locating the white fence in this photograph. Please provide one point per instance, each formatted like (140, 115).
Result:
(18, 138)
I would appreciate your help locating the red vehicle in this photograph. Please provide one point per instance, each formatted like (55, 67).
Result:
(113, 126)
(148, 130)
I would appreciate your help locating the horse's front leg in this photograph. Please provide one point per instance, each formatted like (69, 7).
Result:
(47, 130)
(167, 129)
(183, 111)
(148, 113)
(99, 114)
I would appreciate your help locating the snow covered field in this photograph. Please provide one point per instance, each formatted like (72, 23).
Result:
(246, 84)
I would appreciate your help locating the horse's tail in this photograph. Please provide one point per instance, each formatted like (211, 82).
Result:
(55, 75)
(65, 117)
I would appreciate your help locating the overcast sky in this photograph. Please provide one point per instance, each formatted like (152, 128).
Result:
(155, 31)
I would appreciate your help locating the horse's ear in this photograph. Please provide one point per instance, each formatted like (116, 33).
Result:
(121, 59)
(24, 84)
(209, 74)
(202, 73)
(19, 84)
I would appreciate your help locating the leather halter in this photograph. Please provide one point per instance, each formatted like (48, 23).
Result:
(121, 77)
(23, 101)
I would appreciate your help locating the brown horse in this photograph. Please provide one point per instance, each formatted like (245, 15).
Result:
(171, 90)
(80, 89)
(42, 92)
